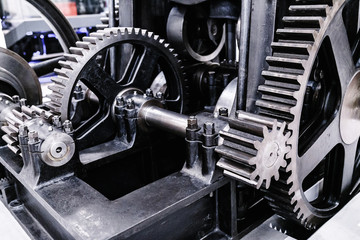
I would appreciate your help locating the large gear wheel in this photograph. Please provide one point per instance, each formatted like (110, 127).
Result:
(148, 63)
(311, 84)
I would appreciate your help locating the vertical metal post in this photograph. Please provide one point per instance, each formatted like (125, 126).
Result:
(113, 52)
(233, 203)
(244, 52)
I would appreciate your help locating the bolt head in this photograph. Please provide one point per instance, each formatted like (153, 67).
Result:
(160, 95)
(149, 93)
(16, 98)
(68, 127)
(120, 101)
(23, 102)
(33, 137)
(130, 104)
(223, 111)
(192, 122)
(209, 128)
(23, 131)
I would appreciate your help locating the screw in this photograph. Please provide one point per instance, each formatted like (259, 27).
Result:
(130, 104)
(149, 93)
(160, 95)
(209, 128)
(192, 122)
(223, 111)
(23, 131)
(23, 102)
(50, 128)
(41, 122)
(15, 98)
(33, 137)
(7, 102)
(68, 127)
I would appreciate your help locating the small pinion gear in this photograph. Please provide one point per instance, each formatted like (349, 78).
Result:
(271, 154)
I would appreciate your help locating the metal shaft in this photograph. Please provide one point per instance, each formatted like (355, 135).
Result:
(164, 119)
(244, 52)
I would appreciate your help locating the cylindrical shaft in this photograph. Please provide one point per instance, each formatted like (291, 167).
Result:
(164, 119)
(243, 55)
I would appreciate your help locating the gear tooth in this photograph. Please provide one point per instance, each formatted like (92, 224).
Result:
(71, 57)
(65, 64)
(61, 72)
(92, 40)
(84, 45)
(253, 161)
(257, 145)
(150, 34)
(268, 181)
(259, 183)
(135, 31)
(77, 51)
(98, 35)
(161, 41)
(283, 164)
(265, 131)
(57, 88)
(276, 176)
(60, 80)
(156, 37)
(166, 45)
(144, 32)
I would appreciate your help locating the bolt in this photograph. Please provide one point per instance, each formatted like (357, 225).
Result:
(1, 98)
(209, 128)
(149, 93)
(23, 131)
(78, 88)
(211, 78)
(23, 102)
(120, 101)
(68, 127)
(192, 122)
(33, 137)
(50, 128)
(15, 98)
(56, 121)
(135, 93)
(41, 122)
(225, 79)
(223, 111)
(130, 104)
(7, 102)
(237, 113)
(160, 95)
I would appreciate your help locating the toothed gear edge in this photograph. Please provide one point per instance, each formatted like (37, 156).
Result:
(282, 98)
(67, 76)
(271, 154)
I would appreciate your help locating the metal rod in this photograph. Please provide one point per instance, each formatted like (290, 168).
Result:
(244, 52)
(164, 119)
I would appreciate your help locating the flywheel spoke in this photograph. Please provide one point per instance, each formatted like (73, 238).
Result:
(100, 82)
(139, 73)
(329, 138)
(342, 53)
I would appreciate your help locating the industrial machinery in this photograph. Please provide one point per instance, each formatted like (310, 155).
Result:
(188, 119)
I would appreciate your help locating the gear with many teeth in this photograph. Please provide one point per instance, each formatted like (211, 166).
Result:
(149, 53)
(271, 154)
(310, 29)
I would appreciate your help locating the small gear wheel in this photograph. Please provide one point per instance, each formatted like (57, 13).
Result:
(271, 154)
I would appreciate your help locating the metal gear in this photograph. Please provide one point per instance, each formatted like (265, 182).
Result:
(18, 78)
(312, 65)
(271, 154)
(148, 62)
